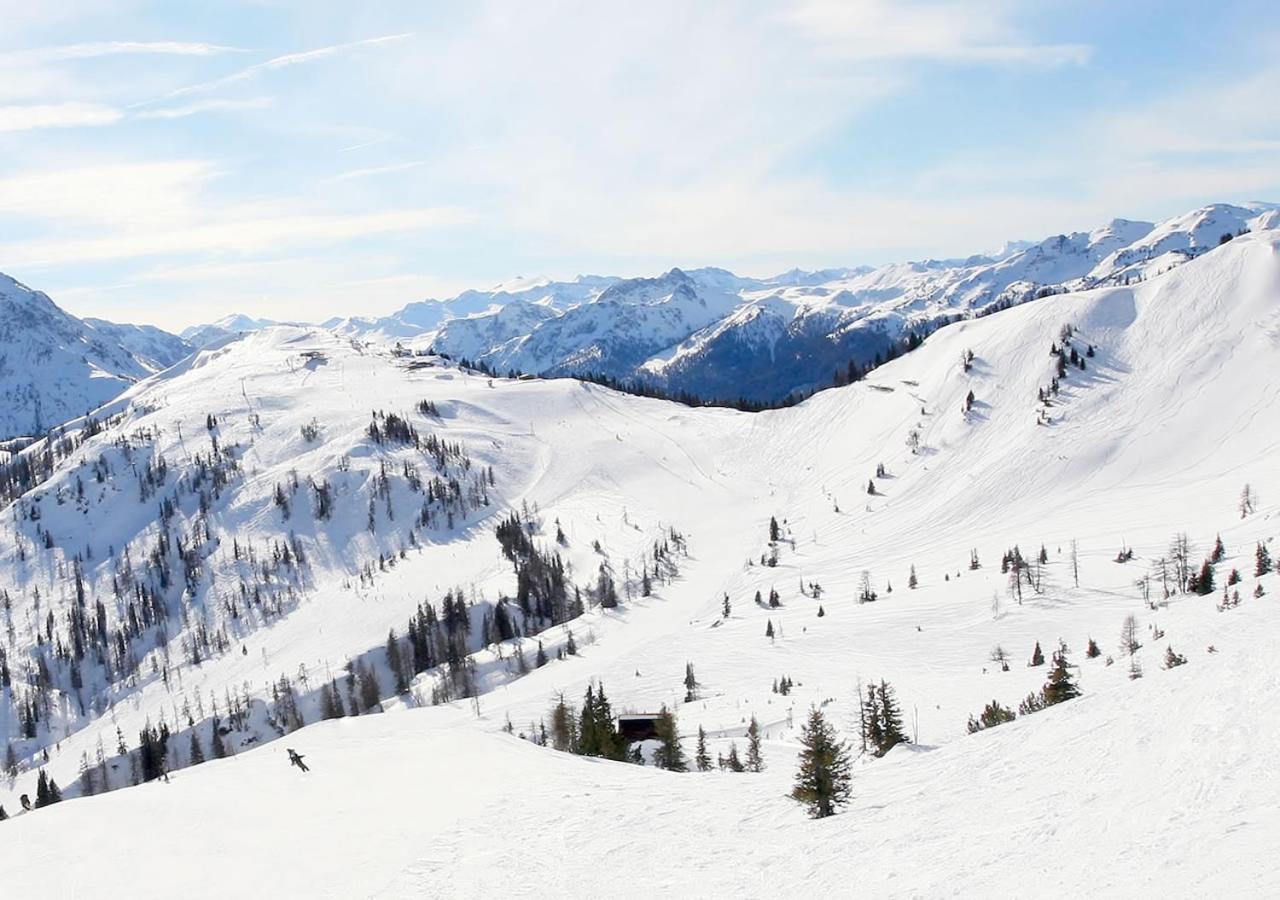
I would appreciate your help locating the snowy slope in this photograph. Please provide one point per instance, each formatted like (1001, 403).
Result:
(1105, 795)
(54, 366)
(1158, 434)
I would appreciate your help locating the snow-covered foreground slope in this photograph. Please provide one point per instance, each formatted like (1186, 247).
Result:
(1161, 786)
(1133, 785)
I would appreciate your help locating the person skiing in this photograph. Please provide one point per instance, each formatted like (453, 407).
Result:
(295, 759)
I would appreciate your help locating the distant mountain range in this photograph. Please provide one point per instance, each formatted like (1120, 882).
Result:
(54, 367)
(718, 335)
(704, 331)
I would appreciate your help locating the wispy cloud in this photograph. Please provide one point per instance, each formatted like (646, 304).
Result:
(115, 195)
(276, 62)
(229, 234)
(877, 30)
(204, 106)
(56, 115)
(114, 48)
(382, 170)
(364, 144)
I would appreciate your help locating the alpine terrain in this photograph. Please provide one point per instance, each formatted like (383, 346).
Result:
(390, 607)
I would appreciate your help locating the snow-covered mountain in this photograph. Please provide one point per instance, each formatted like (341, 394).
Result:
(54, 366)
(228, 326)
(293, 526)
(718, 335)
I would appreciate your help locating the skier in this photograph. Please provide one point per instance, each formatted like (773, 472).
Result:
(295, 759)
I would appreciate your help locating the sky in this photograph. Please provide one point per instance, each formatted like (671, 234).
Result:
(172, 163)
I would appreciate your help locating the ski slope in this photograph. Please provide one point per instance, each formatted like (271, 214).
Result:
(1159, 783)
(1162, 786)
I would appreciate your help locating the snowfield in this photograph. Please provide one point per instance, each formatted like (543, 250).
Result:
(1165, 785)
(1160, 784)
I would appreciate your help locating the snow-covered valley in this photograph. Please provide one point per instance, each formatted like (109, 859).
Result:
(226, 546)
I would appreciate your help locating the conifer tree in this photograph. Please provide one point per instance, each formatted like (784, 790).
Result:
(1129, 636)
(395, 663)
(822, 782)
(1262, 560)
(690, 684)
(754, 761)
(1092, 650)
(597, 735)
(1060, 685)
(1033, 702)
(219, 747)
(669, 755)
(1037, 656)
(734, 762)
(1203, 583)
(701, 759)
(1171, 659)
(994, 714)
(891, 727)
(42, 790)
(768, 629)
(564, 729)
(588, 739)
(912, 581)
(869, 721)
(368, 684)
(1219, 552)
(196, 753)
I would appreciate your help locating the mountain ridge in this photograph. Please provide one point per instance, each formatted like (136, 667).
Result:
(707, 331)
